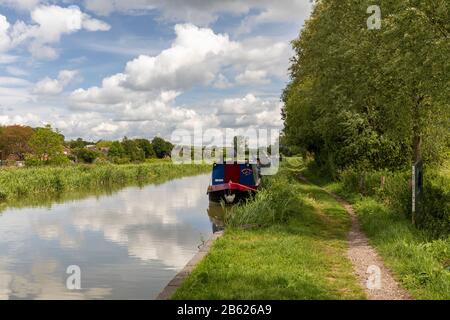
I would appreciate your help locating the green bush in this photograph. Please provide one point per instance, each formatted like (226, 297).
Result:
(86, 155)
(277, 202)
(434, 214)
(59, 160)
(395, 192)
(32, 161)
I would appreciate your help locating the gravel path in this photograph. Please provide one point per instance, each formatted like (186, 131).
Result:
(374, 276)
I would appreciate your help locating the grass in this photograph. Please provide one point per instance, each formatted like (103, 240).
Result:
(298, 253)
(19, 183)
(419, 261)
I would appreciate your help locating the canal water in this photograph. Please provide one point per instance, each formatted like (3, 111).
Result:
(127, 244)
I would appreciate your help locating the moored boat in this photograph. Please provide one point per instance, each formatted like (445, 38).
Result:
(232, 182)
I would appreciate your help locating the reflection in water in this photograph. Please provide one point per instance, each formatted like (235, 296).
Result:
(217, 213)
(128, 244)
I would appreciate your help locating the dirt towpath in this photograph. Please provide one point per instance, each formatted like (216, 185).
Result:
(374, 276)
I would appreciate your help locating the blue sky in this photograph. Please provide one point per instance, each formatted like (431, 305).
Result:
(105, 69)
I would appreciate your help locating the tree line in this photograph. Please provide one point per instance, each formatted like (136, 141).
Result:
(44, 145)
(371, 99)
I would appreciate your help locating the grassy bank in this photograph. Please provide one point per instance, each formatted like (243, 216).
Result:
(299, 252)
(418, 259)
(24, 182)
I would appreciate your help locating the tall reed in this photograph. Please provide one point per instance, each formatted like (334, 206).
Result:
(21, 182)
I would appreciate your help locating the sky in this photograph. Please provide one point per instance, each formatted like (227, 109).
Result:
(105, 69)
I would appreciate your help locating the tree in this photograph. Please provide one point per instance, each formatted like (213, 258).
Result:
(86, 155)
(371, 98)
(14, 140)
(103, 144)
(47, 144)
(162, 147)
(116, 150)
(79, 143)
(132, 150)
(147, 147)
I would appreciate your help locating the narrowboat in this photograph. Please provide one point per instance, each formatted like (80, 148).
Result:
(233, 182)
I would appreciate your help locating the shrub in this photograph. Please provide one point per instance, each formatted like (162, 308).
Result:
(32, 161)
(86, 155)
(395, 192)
(275, 203)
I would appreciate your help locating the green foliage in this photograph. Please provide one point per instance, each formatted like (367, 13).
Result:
(47, 144)
(358, 96)
(116, 150)
(418, 259)
(395, 192)
(133, 150)
(274, 204)
(18, 183)
(58, 160)
(419, 262)
(147, 147)
(86, 155)
(33, 161)
(78, 143)
(434, 211)
(161, 147)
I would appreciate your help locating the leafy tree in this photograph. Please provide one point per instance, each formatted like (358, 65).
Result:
(162, 147)
(14, 140)
(86, 155)
(103, 144)
(371, 98)
(78, 143)
(47, 144)
(116, 150)
(147, 147)
(132, 150)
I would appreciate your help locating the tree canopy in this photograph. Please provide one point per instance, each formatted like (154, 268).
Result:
(14, 140)
(47, 144)
(372, 98)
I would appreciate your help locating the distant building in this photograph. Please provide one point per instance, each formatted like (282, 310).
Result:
(92, 147)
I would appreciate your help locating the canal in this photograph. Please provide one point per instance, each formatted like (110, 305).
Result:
(127, 244)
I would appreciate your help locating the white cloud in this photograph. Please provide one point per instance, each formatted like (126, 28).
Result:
(12, 96)
(50, 23)
(20, 4)
(222, 82)
(145, 92)
(29, 119)
(5, 41)
(249, 111)
(16, 71)
(48, 86)
(206, 12)
(7, 58)
(13, 82)
(252, 77)
(196, 57)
